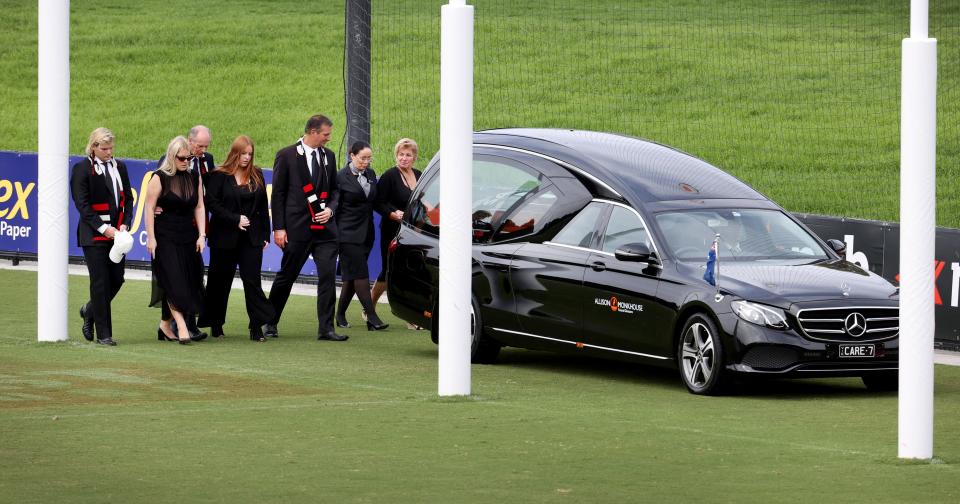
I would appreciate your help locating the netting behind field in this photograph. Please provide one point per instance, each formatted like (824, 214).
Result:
(800, 98)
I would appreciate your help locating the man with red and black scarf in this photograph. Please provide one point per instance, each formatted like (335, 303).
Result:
(304, 196)
(100, 188)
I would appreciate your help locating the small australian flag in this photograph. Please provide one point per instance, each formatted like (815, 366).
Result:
(710, 274)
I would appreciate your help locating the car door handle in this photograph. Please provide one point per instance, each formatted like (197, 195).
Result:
(599, 266)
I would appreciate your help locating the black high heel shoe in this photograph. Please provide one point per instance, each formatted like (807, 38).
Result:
(163, 337)
(342, 322)
(376, 327)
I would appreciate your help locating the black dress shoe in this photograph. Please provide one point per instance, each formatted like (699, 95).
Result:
(87, 328)
(216, 331)
(256, 334)
(342, 322)
(197, 335)
(106, 341)
(270, 330)
(376, 327)
(163, 337)
(332, 336)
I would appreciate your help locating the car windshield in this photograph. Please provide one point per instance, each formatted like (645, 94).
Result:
(745, 235)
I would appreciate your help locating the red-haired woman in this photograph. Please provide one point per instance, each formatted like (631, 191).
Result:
(239, 232)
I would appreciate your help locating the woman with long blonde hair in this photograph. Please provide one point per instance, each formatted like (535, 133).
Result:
(175, 239)
(239, 233)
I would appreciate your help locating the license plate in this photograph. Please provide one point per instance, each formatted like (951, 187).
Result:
(853, 351)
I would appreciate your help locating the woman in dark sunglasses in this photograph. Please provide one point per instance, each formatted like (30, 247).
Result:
(175, 239)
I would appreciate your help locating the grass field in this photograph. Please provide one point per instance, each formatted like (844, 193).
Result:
(297, 420)
(798, 98)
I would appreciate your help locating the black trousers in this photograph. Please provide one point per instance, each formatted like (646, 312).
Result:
(294, 256)
(223, 266)
(106, 277)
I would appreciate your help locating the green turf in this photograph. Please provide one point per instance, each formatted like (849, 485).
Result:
(298, 420)
(798, 98)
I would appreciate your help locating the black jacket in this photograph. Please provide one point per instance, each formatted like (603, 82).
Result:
(354, 212)
(291, 210)
(223, 201)
(96, 204)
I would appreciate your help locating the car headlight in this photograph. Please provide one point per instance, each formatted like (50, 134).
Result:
(760, 314)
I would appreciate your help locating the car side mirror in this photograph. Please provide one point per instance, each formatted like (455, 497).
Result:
(839, 247)
(637, 252)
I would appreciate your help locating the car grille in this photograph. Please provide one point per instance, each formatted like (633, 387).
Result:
(770, 357)
(850, 324)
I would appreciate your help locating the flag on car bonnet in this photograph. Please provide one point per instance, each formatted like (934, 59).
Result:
(711, 274)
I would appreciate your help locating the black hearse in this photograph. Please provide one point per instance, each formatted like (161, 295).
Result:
(598, 243)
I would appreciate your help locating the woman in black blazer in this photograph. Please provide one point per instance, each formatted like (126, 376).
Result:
(101, 192)
(354, 214)
(236, 196)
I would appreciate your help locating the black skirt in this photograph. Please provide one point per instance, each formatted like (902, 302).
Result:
(353, 261)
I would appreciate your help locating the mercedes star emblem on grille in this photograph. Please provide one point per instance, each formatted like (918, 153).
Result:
(855, 324)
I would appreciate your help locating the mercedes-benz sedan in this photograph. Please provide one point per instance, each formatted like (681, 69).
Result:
(614, 246)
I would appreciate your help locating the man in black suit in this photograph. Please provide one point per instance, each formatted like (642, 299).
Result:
(101, 192)
(304, 196)
(198, 140)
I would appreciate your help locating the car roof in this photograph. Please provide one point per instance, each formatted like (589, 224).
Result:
(640, 170)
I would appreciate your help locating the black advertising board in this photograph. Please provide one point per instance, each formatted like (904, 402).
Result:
(877, 245)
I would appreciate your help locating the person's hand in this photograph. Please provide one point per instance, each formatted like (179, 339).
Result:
(396, 215)
(110, 232)
(157, 210)
(280, 237)
(324, 215)
(201, 242)
(152, 247)
(244, 222)
(123, 227)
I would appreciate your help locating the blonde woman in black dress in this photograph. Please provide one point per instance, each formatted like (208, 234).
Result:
(393, 191)
(175, 239)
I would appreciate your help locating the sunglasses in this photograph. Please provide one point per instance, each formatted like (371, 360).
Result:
(182, 158)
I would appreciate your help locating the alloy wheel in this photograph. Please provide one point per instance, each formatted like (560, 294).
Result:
(697, 355)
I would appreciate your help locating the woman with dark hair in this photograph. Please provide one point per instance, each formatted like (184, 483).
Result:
(175, 239)
(393, 192)
(239, 233)
(358, 190)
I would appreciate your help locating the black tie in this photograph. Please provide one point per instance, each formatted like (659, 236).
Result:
(109, 180)
(316, 169)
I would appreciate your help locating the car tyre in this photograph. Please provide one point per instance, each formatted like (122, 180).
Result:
(700, 357)
(886, 381)
(483, 350)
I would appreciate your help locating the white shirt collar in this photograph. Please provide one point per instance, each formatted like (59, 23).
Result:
(307, 150)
